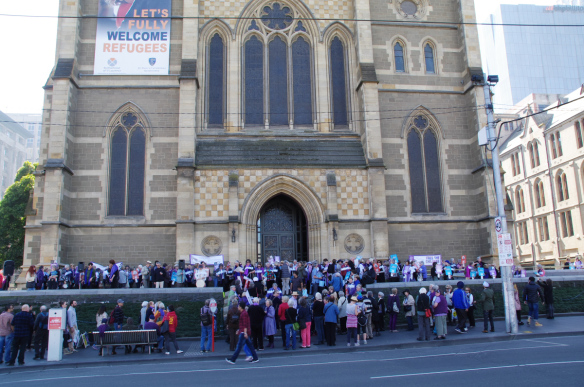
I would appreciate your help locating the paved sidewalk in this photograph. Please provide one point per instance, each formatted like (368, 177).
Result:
(561, 326)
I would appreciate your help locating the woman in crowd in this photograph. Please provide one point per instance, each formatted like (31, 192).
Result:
(304, 319)
(517, 305)
(342, 304)
(290, 314)
(548, 295)
(318, 314)
(472, 303)
(31, 278)
(423, 304)
(440, 306)
(233, 323)
(282, 317)
(393, 310)
(269, 323)
(409, 308)
(352, 312)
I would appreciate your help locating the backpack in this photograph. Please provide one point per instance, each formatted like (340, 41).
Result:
(362, 319)
(206, 318)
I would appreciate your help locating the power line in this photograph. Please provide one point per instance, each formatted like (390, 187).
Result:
(301, 18)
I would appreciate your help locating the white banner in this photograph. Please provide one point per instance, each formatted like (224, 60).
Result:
(426, 259)
(133, 37)
(209, 261)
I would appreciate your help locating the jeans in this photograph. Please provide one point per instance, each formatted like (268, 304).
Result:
(533, 310)
(423, 327)
(5, 346)
(319, 325)
(331, 333)
(488, 317)
(18, 349)
(206, 332)
(41, 341)
(215, 281)
(461, 314)
(160, 341)
(410, 323)
(168, 337)
(550, 310)
(240, 343)
(351, 333)
(290, 332)
(305, 335)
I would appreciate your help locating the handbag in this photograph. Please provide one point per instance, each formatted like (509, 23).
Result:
(395, 307)
(428, 313)
(362, 319)
(295, 325)
(164, 327)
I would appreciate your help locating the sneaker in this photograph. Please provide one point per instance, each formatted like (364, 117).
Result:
(255, 361)
(167, 353)
(537, 324)
(228, 360)
(348, 344)
(248, 358)
(357, 344)
(179, 351)
(458, 330)
(203, 351)
(364, 341)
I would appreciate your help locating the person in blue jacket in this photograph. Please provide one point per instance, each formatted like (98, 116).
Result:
(337, 283)
(460, 303)
(331, 314)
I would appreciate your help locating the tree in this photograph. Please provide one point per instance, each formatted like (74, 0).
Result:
(12, 218)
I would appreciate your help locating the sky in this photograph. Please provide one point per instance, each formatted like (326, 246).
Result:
(28, 47)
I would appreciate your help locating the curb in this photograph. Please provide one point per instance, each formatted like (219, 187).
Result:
(299, 353)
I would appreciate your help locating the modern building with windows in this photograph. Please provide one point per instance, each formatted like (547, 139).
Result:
(33, 124)
(13, 139)
(292, 129)
(543, 162)
(541, 58)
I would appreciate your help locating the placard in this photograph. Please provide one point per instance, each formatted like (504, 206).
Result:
(505, 249)
(426, 259)
(209, 261)
(133, 37)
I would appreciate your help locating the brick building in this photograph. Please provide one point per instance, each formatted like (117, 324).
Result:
(305, 130)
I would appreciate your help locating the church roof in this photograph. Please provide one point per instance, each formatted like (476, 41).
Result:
(254, 152)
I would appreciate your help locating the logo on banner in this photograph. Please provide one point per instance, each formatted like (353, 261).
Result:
(152, 61)
(112, 62)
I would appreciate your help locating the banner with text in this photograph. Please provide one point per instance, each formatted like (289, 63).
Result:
(213, 261)
(426, 259)
(133, 37)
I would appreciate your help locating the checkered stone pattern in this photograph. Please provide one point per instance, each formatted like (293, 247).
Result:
(352, 194)
(222, 9)
(211, 194)
(331, 9)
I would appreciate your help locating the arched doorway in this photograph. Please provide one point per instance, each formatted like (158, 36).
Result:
(282, 230)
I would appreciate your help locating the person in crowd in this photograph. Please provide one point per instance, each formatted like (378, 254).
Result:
(409, 305)
(206, 327)
(151, 325)
(72, 324)
(158, 275)
(99, 317)
(6, 333)
(233, 323)
(102, 328)
(130, 326)
(146, 271)
(488, 302)
(532, 293)
(331, 315)
(114, 274)
(244, 330)
(440, 306)
(41, 337)
(393, 307)
(448, 296)
(304, 320)
(31, 278)
(423, 305)
(352, 312)
(285, 274)
(472, 302)
(22, 323)
(548, 296)
(517, 305)
(282, 317)
(342, 304)
(256, 320)
(118, 315)
(143, 313)
(318, 315)
(170, 334)
(269, 323)
(53, 282)
(461, 305)
(368, 309)
(290, 314)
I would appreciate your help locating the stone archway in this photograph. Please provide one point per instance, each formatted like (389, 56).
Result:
(306, 198)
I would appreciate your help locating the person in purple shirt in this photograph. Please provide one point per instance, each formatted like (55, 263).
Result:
(152, 325)
(114, 274)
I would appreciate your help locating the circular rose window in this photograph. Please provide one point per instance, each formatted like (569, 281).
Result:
(409, 8)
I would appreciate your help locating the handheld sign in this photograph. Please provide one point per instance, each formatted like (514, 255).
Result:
(481, 272)
(448, 271)
(473, 274)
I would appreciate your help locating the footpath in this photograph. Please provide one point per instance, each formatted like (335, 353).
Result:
(560, 326)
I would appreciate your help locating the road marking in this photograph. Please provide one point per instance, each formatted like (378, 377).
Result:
(548, 342)
(479, 369)
(277, 366)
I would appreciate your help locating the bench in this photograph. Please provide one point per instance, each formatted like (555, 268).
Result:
(115, 338)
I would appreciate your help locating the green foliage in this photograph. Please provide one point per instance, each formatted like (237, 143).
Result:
(12, 219)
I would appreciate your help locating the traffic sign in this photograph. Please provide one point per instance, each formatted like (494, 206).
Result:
(213, 305)
(505, 246)
(498, 225)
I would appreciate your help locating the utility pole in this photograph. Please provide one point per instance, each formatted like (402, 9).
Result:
(506, 275)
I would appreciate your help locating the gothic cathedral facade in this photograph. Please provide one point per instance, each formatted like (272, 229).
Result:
(300, 129)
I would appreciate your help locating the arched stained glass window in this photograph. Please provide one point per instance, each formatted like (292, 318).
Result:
(429, 57)
(398, 51)
(136, 172)
(216, 88)
(417, 184)
(278, 82)
(118, 160)
(254, 81)
(338, 82)
(432, 172)
(301, 82)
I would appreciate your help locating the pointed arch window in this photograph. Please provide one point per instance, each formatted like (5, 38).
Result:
(520, 200)
(562, 185)
(127, 166)
(398, 52)
(338, 82)
(533, 154)
(216, 81)
(254, 81)
(425, 179)
(278, 81)
(429, 58)
(301, 81)
(578, 130)
(539, 194)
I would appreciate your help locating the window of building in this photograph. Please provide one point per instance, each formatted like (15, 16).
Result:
(425, 181)
(216, 86)
(533, 154)
(254, 81)
(398, 51)
(515, 165)
(542, 226)
(522, 233)
(520, 200)
(127, 166)
(556, 145)
(562, 185)
(338, 81)
(429, 58)
(539, 194)
(578, 129)
(566, 223)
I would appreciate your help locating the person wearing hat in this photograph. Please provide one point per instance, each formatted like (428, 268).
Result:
(440, 305)
(461, 305)
(118, 315)
(352, 313)
(145, 273)
(294, 299)
(488, 301)
(409, 305)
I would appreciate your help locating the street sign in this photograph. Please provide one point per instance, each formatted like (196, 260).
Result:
(505, 249)
(55, 323)
(498, 225)
(213, 305)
